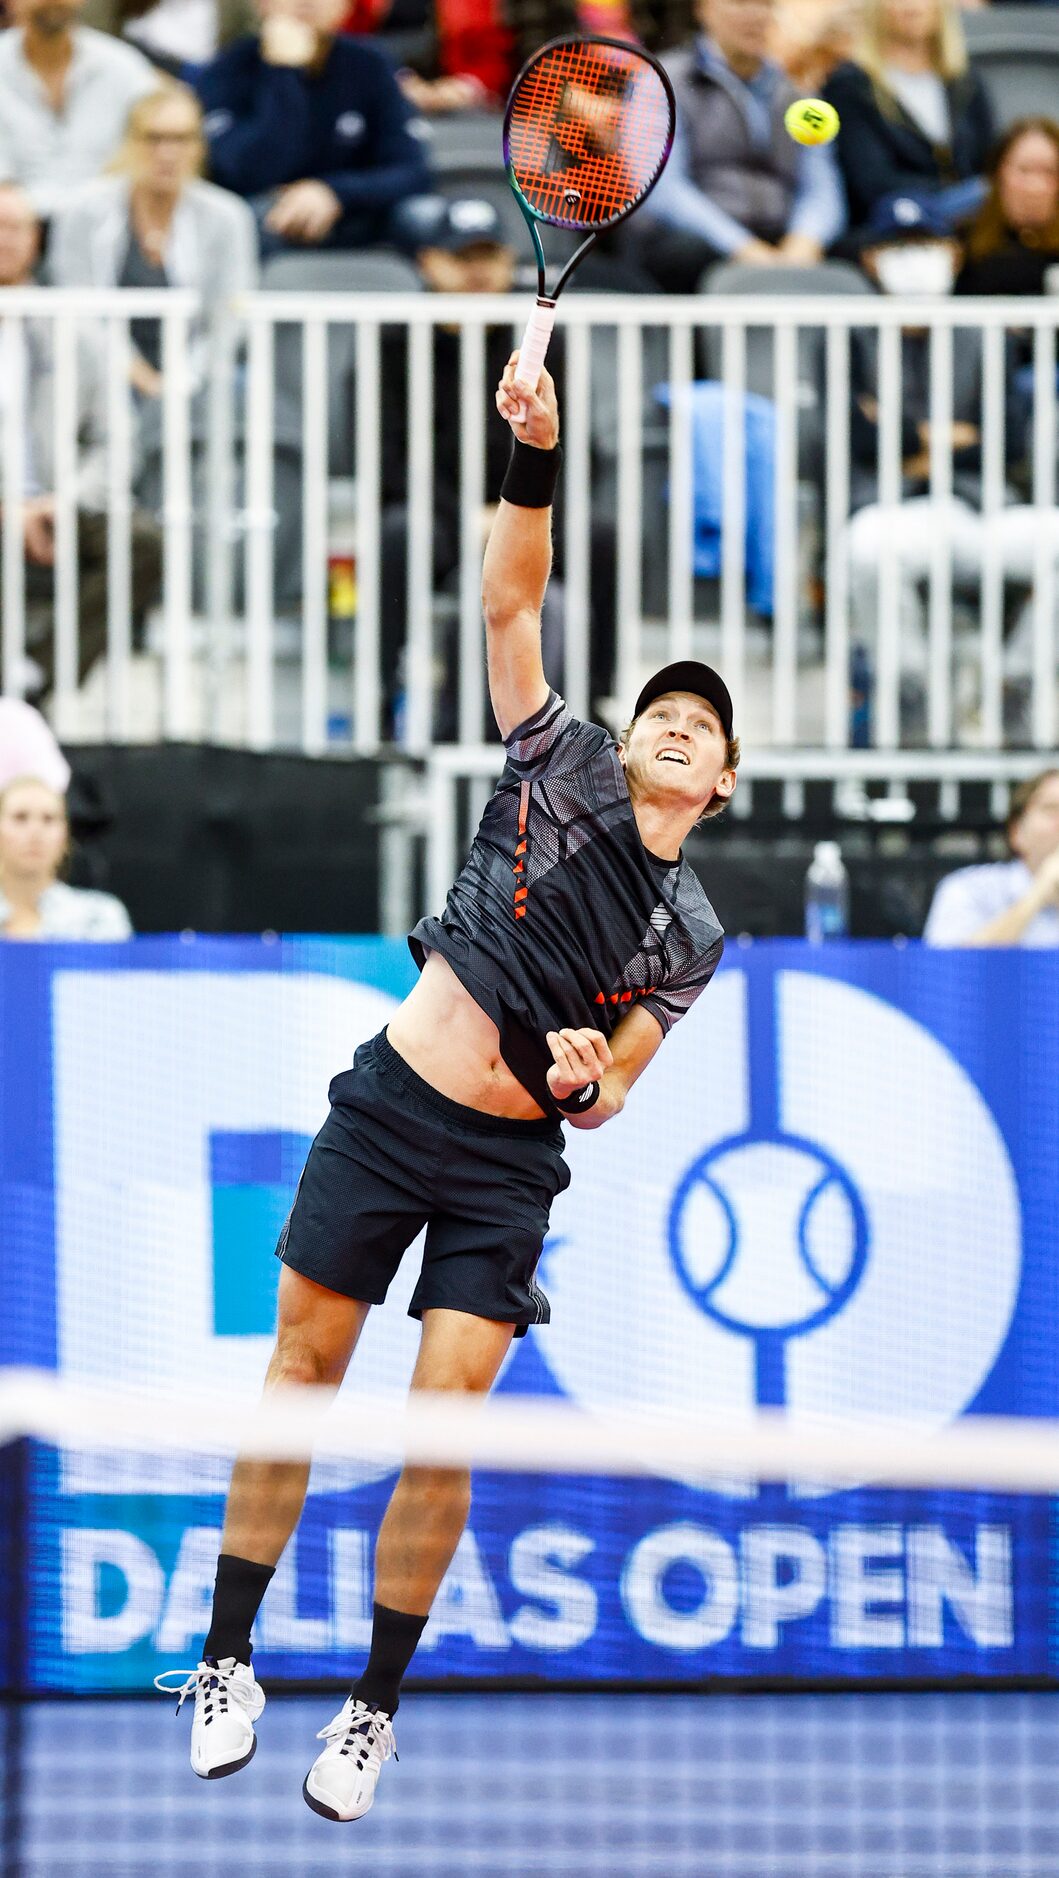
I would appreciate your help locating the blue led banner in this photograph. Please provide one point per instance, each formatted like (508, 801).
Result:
(836, 1188)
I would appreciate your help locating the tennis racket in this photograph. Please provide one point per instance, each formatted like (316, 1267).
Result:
(587, 131)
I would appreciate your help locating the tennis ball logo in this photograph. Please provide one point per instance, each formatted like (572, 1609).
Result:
(768, 1236)
(811, 121)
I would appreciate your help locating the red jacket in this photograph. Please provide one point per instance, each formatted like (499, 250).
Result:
(471, 38)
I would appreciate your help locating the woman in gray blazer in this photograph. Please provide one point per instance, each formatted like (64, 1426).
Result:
(153, 222)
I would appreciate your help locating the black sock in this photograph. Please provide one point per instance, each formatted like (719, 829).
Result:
(241, 1585)
(394, 1636)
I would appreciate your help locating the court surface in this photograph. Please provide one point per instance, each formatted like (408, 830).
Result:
(558, 1786)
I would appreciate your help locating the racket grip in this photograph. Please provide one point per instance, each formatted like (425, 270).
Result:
(534, 347)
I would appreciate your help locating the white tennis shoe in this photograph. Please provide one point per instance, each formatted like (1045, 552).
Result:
(341, 1782)
(228, 1701)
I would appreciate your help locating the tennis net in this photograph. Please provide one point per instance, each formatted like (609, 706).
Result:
(581, 1702)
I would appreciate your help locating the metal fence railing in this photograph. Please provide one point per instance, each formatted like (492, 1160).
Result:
(264, 465)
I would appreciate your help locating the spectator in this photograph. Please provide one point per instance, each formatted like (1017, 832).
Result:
(34, 844)
(312, 128)
(736, 187)
(909, 254)
(177, 35)
(810, 37)
(915, 117)
(1014, 238)
(29, 349)
(659, 25)
(1008, 903)
(28, 747)
(155, 223)
(463, 57)
(464, 252)
(66, 94)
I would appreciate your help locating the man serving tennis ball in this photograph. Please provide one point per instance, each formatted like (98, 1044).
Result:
(574, 938)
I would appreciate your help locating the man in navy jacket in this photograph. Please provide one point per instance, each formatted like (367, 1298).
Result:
(311, 126)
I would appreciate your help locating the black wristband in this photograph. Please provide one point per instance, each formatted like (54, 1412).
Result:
(579, 1100)
(531, 476)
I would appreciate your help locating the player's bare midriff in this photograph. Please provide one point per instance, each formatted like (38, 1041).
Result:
(448, 1040)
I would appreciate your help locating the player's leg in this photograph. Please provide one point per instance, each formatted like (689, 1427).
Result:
(429, 1505)
(316, 1335)
(419, 1534)
(361, 1200)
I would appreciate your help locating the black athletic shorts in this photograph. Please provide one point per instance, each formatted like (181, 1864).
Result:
(394, 1156)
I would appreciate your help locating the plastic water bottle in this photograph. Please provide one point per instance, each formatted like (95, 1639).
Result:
(826, 895)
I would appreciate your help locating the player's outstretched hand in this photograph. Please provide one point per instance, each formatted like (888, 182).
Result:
(580, 1056)
(532, 415)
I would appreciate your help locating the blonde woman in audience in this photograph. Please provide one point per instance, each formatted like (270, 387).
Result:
(35, 903)
(811, 37)
(916, 121)
(155, 223)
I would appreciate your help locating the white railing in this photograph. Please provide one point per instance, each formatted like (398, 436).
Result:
(234, 670)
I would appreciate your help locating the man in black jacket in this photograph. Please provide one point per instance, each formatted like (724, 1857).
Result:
(311, 126)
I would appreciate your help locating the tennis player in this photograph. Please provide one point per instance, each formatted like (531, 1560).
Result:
(574, 938)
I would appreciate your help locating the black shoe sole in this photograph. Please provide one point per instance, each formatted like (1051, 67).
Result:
(233, 1767)
(325, 1812)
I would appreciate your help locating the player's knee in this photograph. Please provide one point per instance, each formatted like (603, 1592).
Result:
(440, 1489)
(300, 1360)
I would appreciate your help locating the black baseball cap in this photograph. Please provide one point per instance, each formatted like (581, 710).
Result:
(466, 222)
(690, 675)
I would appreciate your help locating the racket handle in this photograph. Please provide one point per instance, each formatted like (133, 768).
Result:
(534, 347)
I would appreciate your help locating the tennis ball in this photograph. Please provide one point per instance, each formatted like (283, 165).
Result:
(811, 121)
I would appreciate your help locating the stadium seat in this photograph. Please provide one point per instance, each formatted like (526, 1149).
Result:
(466, 139)
(733, 277)
(1016, 51)
(372, 270)
(362, 270)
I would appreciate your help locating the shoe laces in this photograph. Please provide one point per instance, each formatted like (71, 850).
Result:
(365, 1733)
(219, 1686)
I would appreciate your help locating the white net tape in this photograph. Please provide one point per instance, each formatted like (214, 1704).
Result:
(526, 1434)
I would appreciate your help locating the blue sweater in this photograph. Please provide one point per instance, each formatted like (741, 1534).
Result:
(347, 125)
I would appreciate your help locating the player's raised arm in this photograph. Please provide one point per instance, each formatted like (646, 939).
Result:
(518, 555)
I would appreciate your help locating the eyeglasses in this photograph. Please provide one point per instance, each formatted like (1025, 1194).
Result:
(156, 137)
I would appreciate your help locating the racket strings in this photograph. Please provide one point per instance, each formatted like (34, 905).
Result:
(588, 132)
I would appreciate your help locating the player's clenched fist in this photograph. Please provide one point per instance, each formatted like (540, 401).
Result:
(580, 1056)
(532, 415)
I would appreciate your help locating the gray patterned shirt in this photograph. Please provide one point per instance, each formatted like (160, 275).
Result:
(560, 916)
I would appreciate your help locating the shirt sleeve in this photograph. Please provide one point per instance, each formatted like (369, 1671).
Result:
(958, 910)
(105, 918)
(819, 206)
(677, 202)
(552, 742)
(258, 123)
(671, 1001)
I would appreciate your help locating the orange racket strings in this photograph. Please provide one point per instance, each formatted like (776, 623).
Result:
(588, 132)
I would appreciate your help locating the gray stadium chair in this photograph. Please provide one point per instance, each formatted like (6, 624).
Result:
(362, 270)
(1016, 51)
(371, 270)
(466, 140)
(733, 277)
